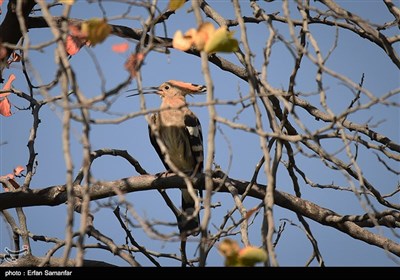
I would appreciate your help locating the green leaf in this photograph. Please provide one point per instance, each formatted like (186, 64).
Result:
(221, 41)
(97, 30)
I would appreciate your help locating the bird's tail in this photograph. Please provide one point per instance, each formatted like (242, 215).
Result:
(187, 222)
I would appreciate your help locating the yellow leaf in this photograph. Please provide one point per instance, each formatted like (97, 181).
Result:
(251, 212)
(67, 2)
(206, 38)
(250, 255)
(174, 5)
(230, 250)
(205, 31)
(221, 41)
(96, 29)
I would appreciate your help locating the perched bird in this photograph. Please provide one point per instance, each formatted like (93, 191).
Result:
(179, 130)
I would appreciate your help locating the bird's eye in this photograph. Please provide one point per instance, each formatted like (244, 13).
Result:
(166, 87)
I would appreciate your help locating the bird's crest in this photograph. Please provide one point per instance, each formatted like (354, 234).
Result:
(189, 87)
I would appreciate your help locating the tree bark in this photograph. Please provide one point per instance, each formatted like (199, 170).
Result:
(32, 261)
(352, 225)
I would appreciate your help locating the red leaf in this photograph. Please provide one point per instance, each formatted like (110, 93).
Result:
(73, 45)
(11, 176)
(133, 62)
(251, 212)
(120, 48)
(18, 170)
(5, 107)
(8, 84)
(75, 40)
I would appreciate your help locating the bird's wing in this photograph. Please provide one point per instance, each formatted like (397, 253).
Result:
(153, 140)
(193, 128)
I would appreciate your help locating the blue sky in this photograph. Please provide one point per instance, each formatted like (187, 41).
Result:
(235, 149)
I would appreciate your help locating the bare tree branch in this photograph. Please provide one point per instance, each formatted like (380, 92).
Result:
(351, 225)
(32, 261)
(310, 110)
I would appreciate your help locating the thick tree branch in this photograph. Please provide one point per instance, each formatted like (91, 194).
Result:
(32, 261)
(349, 224)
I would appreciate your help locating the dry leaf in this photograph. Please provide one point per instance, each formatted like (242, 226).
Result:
(251, 255)
(5, 107)
(10, 177)
(174, 5)
(182, 42)
(67, 2)
(206, 38)
(9, 82)
(72, 45)
(76, 39)
(230, 250)
(251, 212)
(228, 247)
(133, 62)
(17, 170)
(234, 256)
(120, 48)
(205, 31)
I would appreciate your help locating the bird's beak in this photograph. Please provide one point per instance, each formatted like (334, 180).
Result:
(145, 90)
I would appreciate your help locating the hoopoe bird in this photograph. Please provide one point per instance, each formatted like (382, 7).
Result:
(179, 131)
